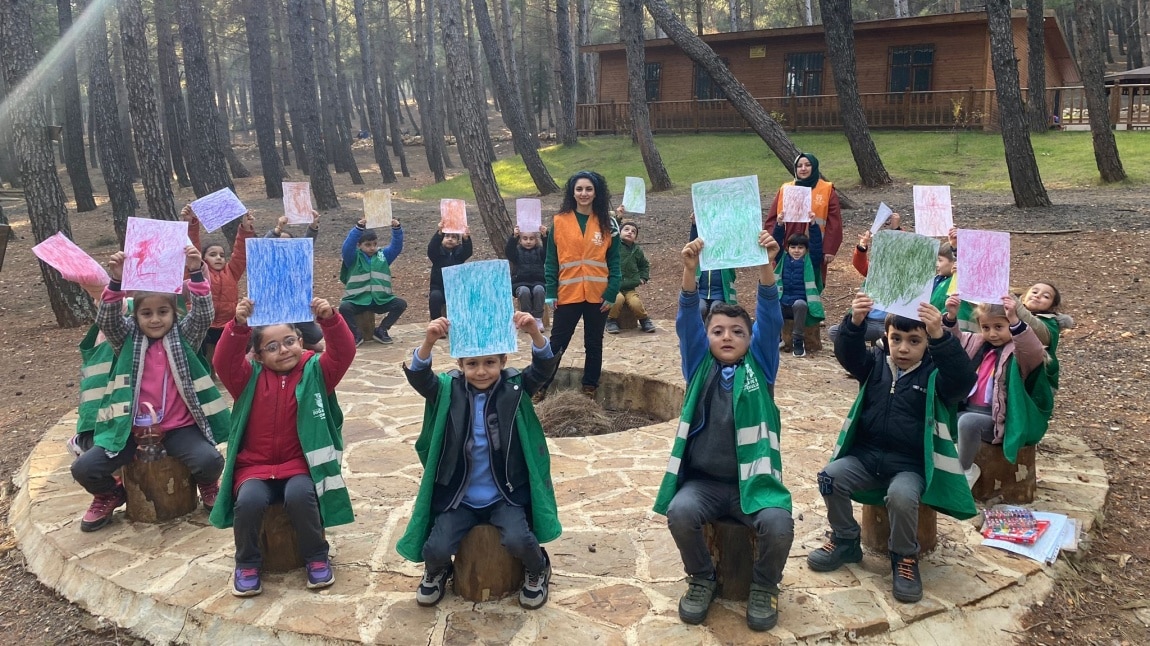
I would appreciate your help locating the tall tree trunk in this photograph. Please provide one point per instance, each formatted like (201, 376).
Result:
(150, 150)
(112, 141)
(205, 146)
(74, 120)
(175, 114)
(1037, 112)
(263, 103)
(435, 92)
(391, 88)
(473, 127)
(512, 109)
(424, 96)
(1065, 17)
(1088, 15)
(570, 134)
(1025, 180)
(224, 112)
(335, 127)
(587, 84)
(1134, 28)
(631, 33)
(42, 191)
(371, 91)
(118, 75)
(733, 14)
(512, 61)
(342, 93)
(284, 89)
(838, 27)
(1144, 29)
(304, 106)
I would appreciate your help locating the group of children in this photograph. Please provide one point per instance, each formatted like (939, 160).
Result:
(929, 394)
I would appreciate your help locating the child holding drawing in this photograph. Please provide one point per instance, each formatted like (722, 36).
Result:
(366, 275)
(801, 297)
(274, 440)
(223, 273)
(635, 271)
(527, 253)
(485, 461)
(876, 318)
(310, 332)
(444, 250)
(162, 397)
(824, 204)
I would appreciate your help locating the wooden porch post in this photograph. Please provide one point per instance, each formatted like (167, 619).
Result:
(906, 109)
(1115, 102)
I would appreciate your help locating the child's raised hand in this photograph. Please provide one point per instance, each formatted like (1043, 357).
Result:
(116, 265)
(466, 231)
(1011, 307)
(282, 222)
(768, 242)
(619, 210)
(864, 240)
(543, 230)
(515, 231)
(691, 253)
(394, 223)
(244, 309)
(437, 329)
(952, 237)
(188, 215)
(439, 227)
(932, 318)
(524, 321)
(314, 218)
(895, 221)
(194, 260)
(321, 308)
(248, 223)
(860, 307)
(952, 303)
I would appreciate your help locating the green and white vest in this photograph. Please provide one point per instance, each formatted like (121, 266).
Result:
(95, 372)
(368, 282)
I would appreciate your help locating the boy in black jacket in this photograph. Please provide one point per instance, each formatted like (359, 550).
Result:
(444, 250)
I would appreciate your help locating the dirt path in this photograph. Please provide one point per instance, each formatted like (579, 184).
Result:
(1105, 397)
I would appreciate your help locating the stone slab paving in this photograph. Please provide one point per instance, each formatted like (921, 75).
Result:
(617, 573)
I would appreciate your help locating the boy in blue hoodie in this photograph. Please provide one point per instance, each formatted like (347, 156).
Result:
(801, 291)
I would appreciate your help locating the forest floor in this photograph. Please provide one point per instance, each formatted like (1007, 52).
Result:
(1101, 595)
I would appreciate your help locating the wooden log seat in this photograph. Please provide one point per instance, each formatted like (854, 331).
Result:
(812, 338)
(159, 490)
(627, 320)
(876, 529)
(366, 323)
(733, 547)
(1015, 483)
(484, 569)
(278, 543)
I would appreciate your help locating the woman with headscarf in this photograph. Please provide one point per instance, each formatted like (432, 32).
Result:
(581, 273)
(824, 206)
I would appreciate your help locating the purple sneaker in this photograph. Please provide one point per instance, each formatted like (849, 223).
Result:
(320, 574)
(246, 582)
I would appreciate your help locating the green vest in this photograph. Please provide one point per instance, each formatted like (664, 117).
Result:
(1052, 369)
(544, 513)
(939, 295)
(729, 295)
(114, 419)
(946, 488)
(368, 281)
(1029, 404)
(756, 435)
(319, 425)
(813, 283)
(95, 372)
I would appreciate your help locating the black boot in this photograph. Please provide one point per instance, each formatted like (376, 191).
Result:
(834, 554)
(907, 582)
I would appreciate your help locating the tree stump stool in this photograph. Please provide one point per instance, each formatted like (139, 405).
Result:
(365, 321)
(812, 339)
(733, 548)
(1015, 483)
(278, 543)
(160, 490)
(484, 569)
(876, 529)
(627, 320)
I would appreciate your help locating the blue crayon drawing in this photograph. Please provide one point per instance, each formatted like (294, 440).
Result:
(730, 217)
(480, 308)
(280, 280)
(214, 210)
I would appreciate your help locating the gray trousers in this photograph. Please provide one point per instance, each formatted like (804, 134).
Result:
(846, 475)
(699, 502)
(974, 428)
(94, 469)
(452, 525)
(297, 494)
(796, 311)
(531, 299)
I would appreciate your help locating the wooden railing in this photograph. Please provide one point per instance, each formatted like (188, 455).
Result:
(945, 109)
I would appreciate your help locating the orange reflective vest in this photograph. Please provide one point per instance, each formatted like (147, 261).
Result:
(582, 259)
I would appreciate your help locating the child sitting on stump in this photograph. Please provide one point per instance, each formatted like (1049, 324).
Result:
(725, 461)
(366, 274)
(897, 444)
(802, 288)
(636, 271)
(485, 460)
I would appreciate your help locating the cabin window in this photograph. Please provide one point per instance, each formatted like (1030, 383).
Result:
(705, 87)
(652, 72)
(911, 68)
(804, 74)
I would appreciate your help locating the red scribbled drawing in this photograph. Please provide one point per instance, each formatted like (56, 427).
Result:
(932, 210)
(984, 276)
(454, 215)
(154, 257)
(70, 260)
(796, 204)
(297, 202)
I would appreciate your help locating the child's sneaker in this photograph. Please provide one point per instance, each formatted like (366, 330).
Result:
(246, 582)
(907, 583)
(834, 554)
(320, 574)
(696, 601)
(74, 446)
(208, 493)
(763, 607)
(589, 392)
(534, 591)
(612, 326)
(647, 325)
(381, 336)
(432, 587)
(972, 474)
(799, 345)
(358, 339)
(100, 511)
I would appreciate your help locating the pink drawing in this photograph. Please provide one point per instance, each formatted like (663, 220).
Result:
(70, 260)
(932, 211)
(984, 271)
(297, 202)
(154, 257)
(453, 214)
(528, 214)
(796, 204)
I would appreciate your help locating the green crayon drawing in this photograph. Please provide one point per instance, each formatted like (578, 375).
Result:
(902, 267)
(729, 217)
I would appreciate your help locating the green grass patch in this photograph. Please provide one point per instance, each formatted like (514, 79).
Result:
(1065, 160)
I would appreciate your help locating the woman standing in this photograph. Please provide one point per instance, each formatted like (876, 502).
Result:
(824, 206)
(582, 272)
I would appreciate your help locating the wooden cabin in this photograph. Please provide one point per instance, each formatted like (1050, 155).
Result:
(923, 72)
